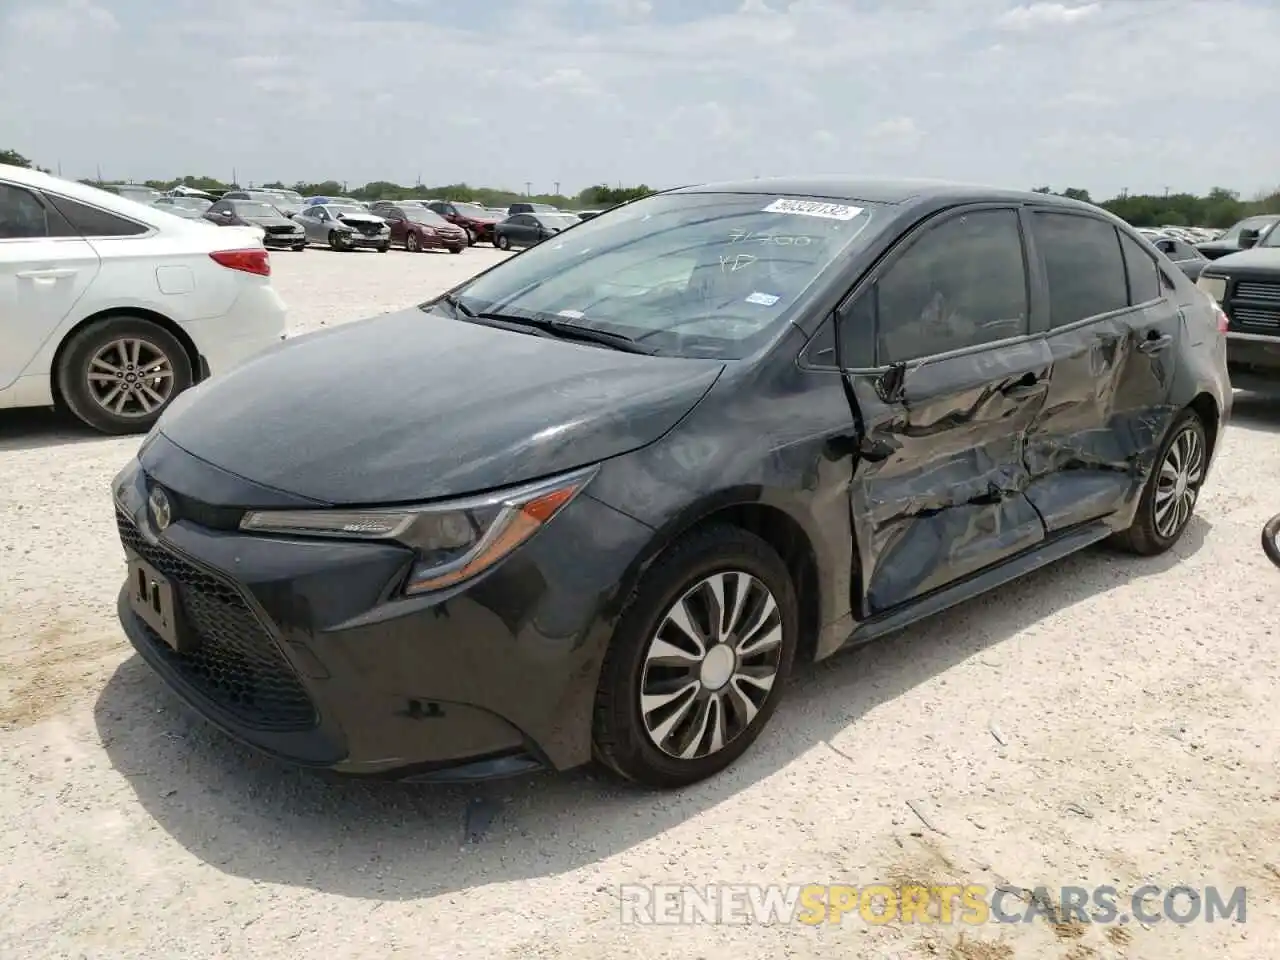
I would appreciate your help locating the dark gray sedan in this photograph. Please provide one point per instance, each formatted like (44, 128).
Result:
(528, 229)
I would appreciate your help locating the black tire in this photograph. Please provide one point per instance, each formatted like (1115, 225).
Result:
(502, 242)
(299, 247)
(74, 368)
(455, 249)
(620, 738)
(384, 248)
(411, 243)
(1144, 536)
(335, 241)
(471, 237)
(1271, 539)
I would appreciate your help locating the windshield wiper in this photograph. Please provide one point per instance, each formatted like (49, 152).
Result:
(541, 325)
(555, 327)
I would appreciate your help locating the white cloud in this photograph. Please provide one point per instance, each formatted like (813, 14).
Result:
(659, 92)
(1039, 15)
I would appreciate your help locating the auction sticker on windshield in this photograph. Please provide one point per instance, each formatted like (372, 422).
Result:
(811, 208)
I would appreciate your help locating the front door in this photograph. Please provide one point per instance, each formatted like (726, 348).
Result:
(946, 378)
(1114, 326)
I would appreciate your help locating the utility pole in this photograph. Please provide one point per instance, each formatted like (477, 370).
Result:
(528, 188)
(557, 188)
(99, 172)
(234, 181)
(1166, 192)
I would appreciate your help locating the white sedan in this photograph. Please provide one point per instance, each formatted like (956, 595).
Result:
(110, 308)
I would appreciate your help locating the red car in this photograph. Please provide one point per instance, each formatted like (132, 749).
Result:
(471, 217)
(417, 228)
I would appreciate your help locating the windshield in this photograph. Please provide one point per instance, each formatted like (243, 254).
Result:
(338, 209)
(423, 215)
(560, 220)
(191, 203)
(251, 208)
(135, 192)
(289, 195)
(472, 210)
(1252, 223)
(1271, 238)
(706, 275)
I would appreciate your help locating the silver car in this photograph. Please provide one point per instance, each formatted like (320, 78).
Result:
(344, 226)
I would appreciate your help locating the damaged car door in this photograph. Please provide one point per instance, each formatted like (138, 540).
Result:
(946, 378)
(1114, 328)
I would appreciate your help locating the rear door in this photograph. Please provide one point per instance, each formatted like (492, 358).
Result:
(947, 377)
(1114, 327)
(45, 268)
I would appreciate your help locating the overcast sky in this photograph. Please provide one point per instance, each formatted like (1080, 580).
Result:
(1143, 94)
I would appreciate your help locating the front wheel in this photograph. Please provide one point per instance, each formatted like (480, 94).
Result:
(119, 374)
(502, 242)
(384, 247)
(299, 247)
(455, 249)
(336, 241)
(471, 237)
(1170, 494)
(696, 666)
(411, 242)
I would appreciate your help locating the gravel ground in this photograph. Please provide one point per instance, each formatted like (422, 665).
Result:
(1102, 721)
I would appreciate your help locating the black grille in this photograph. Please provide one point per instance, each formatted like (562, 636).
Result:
(1256, 318)
(368, 229)
(287, 229)
(235, 663)
(1258, 291)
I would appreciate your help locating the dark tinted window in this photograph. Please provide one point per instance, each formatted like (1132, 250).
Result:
(1184, 251)
(92, 222)
(1083, 265)
(962, 283)
(1144, 280)
(22, 215)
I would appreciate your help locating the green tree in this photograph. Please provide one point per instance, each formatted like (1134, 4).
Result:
(14, 159)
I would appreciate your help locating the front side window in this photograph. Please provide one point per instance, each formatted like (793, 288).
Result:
(688, 274)
(1083, 265)
(961, 284)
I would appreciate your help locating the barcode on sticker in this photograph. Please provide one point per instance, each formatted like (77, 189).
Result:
(812, 208)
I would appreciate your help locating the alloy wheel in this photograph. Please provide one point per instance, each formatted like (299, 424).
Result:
(710, 665)
(1178, 483)
(411, 243)
(130, 377)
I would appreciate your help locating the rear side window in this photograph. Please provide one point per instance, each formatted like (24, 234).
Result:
(22, 215)
(92, 222)
(960, 284)
(1083, 264)
(1144, 279)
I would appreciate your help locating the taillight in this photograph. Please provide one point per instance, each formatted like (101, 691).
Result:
(250, 261)
(1221, 316)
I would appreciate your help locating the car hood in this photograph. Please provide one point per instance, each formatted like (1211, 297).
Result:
(269, 221)
(360, 218)
(1253, 259)
(415, 405)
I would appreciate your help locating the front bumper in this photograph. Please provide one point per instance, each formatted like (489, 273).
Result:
(284, 239)
(1254, 353)
(366, 240)
(303, 651)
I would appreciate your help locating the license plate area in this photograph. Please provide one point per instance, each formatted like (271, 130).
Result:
(152, 598)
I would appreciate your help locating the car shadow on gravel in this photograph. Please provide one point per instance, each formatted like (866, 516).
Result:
(259, 819)
(1257, 410)
(36, 427)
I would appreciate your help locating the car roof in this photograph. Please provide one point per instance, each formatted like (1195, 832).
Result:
(873, 190)
(103, 199)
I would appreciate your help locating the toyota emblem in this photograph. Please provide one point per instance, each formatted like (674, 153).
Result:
(161, 510)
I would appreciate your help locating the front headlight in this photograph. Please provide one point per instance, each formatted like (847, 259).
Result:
(1215, 287)
(454, 541)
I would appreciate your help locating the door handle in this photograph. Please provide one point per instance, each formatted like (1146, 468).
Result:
(1155, 344)
(1025, 388)
(57, 274)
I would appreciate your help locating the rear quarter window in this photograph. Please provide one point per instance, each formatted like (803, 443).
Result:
(92, 222)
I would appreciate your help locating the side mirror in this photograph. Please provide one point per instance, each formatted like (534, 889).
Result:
(1248, 238)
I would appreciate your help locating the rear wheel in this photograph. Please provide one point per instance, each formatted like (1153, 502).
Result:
(411, 242)
(696, 666)
(1170, 494)
(119, 375)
